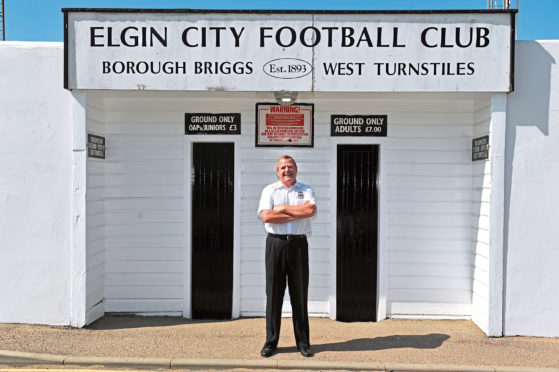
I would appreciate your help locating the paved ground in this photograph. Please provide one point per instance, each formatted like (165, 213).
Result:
(416, 342)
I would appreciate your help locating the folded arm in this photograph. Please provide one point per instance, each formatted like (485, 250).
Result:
(273, 216)
(285, 213)
(305, 210)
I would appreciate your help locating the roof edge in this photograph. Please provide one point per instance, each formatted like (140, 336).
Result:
(287, 11)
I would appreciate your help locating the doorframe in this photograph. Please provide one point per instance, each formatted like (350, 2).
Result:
(382, 279)
(188, 141)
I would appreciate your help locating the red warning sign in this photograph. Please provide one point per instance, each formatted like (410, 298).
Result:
(284, 125)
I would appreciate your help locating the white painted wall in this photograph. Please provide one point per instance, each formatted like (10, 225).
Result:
(95, 215)
(427, 155)
(426, 195)
(78, 278)
(35, 185)
(531, 304)
(481, 191)
(429, 206)
(144, 209)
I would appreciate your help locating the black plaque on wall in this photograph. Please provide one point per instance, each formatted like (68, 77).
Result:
(480, 148)
(200, 123)
(358, 125)
(95, 146)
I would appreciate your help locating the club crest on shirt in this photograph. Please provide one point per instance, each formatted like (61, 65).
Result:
(300, 195)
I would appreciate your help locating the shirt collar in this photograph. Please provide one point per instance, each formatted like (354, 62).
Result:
(280, 185)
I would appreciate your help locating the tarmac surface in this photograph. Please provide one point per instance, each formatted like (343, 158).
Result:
(172, 342)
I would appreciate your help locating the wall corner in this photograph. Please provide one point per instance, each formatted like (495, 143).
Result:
(79, 168)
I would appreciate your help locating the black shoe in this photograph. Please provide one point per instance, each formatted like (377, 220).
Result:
(306, 351)
(267, 351)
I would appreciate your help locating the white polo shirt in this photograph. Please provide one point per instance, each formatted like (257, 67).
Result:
(276, 194)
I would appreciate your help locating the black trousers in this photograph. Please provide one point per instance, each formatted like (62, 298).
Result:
(287, 259)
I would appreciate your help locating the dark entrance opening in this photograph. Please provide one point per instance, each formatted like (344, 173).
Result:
(357, 231)
(212, 230)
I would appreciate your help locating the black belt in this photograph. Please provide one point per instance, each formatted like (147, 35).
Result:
(287, 236)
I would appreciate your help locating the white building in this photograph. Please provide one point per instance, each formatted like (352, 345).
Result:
(410, 97)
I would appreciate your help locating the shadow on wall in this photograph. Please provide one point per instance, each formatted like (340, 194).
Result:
(527, 106)
(532, 83)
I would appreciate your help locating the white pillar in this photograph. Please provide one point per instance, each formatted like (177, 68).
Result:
(497, 134)
(79, 169)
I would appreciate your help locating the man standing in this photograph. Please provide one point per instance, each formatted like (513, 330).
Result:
(286, 207)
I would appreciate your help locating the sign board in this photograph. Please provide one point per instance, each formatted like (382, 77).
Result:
(198, 123)
(358, 125)
(319, 51)
(480, 148)
(284, 125)
(95, 146)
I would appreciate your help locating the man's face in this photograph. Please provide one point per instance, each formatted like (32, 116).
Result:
(287, 172)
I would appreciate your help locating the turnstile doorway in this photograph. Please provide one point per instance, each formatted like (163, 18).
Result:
(212, 230)
(357, 232)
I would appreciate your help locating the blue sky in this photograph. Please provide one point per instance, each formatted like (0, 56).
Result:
(41, 20)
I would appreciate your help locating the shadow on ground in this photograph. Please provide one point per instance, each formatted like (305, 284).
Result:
(430, 341)
(112, 322)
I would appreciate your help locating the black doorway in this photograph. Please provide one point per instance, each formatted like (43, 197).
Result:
(212, 230)
(357, 231)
